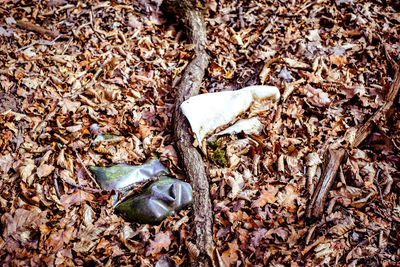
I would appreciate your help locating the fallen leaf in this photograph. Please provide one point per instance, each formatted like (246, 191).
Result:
(26, 170)
(317, 97)
(288, 198)
(24, 225)
(168, 152)
(162, 240)
(267, 196)
(230, 256)
(6, 162)
(338, 60)
(77, 197)
(44, 170)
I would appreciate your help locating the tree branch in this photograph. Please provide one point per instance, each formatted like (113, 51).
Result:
(192, 160)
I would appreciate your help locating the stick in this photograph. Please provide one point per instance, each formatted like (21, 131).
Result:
(81, 187)
(333, 158)
(365, 129)
(188, 86)
(84, 167)
(36, 28)
(49, 43)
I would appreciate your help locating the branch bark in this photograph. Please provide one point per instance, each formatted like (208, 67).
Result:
(192, 160)
(334, 157)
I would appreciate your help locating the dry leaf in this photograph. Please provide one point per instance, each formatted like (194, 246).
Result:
(26, 171)
(44, 170)
(317, 97)
(77, 197)
(162, 240)
(230, 256)
(267, 196)
(338, 60)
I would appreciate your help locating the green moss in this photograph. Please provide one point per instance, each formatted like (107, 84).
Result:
(215, 144)
(219, 156)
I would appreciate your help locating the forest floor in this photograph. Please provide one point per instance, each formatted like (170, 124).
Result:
(69, 69)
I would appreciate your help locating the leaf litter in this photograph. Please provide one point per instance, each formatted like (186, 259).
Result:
(67, 66)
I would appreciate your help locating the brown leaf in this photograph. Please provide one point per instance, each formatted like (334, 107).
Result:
(59, 238)
(162, 240)
(288, 198)
(24, 225)
(44, 170)
(339, 229)
(258, 235)
(144, 129)
(6, 162)
(317, 97)
(230, 256)
(69, 106)
(268, 196)
(337, 60)
(168, 152)
(77, 197)
(26, 170)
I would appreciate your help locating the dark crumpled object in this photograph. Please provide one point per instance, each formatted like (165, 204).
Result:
(157, 201)
(123, 176)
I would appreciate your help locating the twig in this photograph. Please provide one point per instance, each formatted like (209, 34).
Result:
(81, 187)
(93, 79)
(36, 28)
(75, 32)
(333, 158)
(39, 42)
(241, 17)
(96, 31)
(56, 183)
(365, 129)
(68, 44)
(84, 167)
(306, 7)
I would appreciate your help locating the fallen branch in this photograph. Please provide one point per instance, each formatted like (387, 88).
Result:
(188, 86)
(334, 157)
(365, 129)
(332, 161)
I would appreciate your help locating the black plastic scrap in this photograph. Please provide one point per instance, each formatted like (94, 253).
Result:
(156, 201)
(123, 176)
